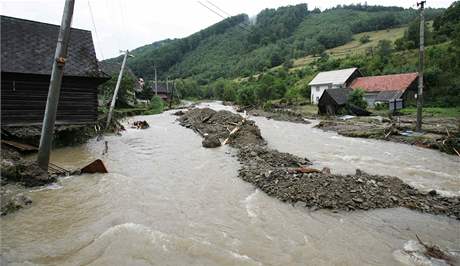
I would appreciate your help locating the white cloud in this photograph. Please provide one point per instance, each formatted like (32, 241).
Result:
(127, 24)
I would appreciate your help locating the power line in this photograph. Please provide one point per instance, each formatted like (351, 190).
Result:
(95, 31)
(220, 15)
(218, 8)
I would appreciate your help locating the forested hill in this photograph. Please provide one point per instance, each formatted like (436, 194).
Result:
(237, 47)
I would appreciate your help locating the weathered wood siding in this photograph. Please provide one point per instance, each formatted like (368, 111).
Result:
(23, 99)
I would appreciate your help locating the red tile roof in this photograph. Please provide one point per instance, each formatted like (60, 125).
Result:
(397, 82)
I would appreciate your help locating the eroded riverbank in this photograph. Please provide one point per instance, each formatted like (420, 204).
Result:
(169, 201)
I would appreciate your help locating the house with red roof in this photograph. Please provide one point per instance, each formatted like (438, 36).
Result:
(383, 89)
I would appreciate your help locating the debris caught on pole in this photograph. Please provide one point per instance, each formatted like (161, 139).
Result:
(46, 138)
(418, 127)
(117, 87)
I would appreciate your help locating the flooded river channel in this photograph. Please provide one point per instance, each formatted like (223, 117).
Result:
(168, 201)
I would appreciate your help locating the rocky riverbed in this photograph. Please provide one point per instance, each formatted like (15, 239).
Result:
(290, 179)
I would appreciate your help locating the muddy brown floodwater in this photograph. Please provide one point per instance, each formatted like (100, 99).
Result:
(168, 201)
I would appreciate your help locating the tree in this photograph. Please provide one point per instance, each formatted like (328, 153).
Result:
(126, 96)
(384, 50)
(356, 97)
(246, 96)
(365, 39)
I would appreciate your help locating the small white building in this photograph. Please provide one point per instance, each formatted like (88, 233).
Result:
(336, 79)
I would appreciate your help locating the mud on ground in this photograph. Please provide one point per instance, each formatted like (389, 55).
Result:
(280, 115)
(442, 134)
(16, 172)
(288, 177)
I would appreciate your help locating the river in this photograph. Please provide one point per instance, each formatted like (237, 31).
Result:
(168, 201)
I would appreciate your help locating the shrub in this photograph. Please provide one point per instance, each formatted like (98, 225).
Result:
(381, 106)
(246, 96)
(365, 39)
(356, 97)
(156, 105)
(267, 106)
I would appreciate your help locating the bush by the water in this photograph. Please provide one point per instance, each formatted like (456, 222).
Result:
(156, 105)
(356, 97)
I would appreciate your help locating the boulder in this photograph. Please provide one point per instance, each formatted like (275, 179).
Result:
(211, 141)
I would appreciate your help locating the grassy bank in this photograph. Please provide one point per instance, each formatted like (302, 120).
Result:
(434, 111)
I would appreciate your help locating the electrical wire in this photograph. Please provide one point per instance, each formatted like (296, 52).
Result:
(218, 8)
(95, 30)
(222, 16)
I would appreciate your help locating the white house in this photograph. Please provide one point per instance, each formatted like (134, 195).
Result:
(335, 79)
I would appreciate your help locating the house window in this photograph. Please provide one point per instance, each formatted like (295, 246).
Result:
(317, 89)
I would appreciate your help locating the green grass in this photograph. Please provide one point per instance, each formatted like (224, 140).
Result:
(355, 46)
(307, 110)
(434, 111)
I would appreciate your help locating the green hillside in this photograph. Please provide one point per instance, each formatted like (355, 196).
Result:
(234, 48)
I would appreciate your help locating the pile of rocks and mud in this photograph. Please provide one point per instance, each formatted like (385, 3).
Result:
(290, 179)
(280, 115)
(18, 172)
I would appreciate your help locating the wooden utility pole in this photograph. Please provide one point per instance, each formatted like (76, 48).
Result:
(167, 84)
(418, 127)
(156, 81)
(117, 87)
(46, 138)
(172, 94)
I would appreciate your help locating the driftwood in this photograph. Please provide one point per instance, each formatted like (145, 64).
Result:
(392, 129)
(238, 127)
(435, 252)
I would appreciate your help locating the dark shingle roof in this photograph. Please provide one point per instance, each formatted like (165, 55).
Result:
(385, 96)
(29, 47)
(339, 95)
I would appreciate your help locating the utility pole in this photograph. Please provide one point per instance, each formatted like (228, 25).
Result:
(46, 138)
(167, 84)
(117, 87)
(172, 94)
(418, 127)
(156, 81)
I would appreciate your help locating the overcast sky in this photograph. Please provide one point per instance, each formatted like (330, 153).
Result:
(127, 24)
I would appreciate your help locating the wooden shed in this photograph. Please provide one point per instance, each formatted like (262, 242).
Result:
(332, 101)
(27, 53)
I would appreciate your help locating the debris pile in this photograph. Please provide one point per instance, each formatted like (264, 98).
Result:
(440, 134)
(140, 124)
(221, 124)
(288, 177)
(16, 169)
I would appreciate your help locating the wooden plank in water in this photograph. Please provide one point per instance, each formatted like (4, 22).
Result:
(20, 146)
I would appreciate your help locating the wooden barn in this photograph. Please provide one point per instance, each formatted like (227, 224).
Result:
(164, 92)
(332, 101)
(27, 52)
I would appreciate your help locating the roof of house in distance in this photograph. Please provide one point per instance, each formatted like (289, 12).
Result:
(162, 88)
(333, 77)
(396, 82)
(340, 96)
(29, 47)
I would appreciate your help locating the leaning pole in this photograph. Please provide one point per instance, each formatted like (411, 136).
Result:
(46, 138)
